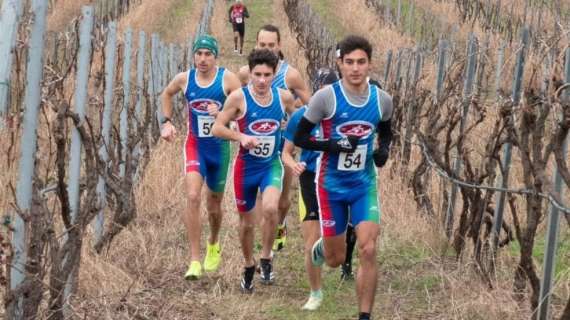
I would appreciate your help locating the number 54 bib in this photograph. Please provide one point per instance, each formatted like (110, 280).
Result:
(353, 161)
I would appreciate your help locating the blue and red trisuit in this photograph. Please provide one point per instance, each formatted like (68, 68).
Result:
(346, 182)
(258, 168)
(204, 153)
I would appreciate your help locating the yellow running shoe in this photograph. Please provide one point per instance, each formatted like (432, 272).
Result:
(279, 242)
(194, 271)
(213, 257)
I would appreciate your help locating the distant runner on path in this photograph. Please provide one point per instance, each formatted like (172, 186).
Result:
(206, 157)
(237, 14)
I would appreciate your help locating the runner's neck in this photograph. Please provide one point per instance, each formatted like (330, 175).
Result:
(355, 89)
(205, 78)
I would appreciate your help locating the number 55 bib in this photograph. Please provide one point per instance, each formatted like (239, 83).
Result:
(262, 122)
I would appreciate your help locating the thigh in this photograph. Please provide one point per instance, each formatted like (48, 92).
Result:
(193, 159)
(287, 181)
(335, 244)
(193, 182)
(308, 205)
(217, 164)
(333, 212)
(241, 29)
(273, 176)
(270, 197)
(367, 233)
(365, 207)
(246, 183)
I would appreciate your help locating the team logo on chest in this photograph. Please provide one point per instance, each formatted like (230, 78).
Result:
(201, 105)
(361, 129)
(264, 127)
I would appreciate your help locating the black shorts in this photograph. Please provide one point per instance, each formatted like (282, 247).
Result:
(308, 205)
(239, 28)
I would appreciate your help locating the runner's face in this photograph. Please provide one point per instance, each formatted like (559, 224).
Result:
(354, 67)
(268, 40)
(261, 77)
(204, 60)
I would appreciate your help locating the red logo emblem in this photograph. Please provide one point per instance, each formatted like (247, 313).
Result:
(264, 127)
(360, 129)
(201, 105)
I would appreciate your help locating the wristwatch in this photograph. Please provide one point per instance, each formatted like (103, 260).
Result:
(165, 120)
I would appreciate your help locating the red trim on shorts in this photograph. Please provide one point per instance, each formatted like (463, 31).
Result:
(327, 216)
(191, 149)
(239, 168)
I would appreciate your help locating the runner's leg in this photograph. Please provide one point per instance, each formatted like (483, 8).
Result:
(192, 213)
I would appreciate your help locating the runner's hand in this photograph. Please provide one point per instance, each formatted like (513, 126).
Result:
(299, 168)
(346, 144)
(213, 109)
(168, 132)
(248, 142)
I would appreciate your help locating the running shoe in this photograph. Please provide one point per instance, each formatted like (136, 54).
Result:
(194, 271)
(247, 279)
(346, 272)
(313, 303)
(267, 276)
(281, 238)
(213, 257)
(317, 255)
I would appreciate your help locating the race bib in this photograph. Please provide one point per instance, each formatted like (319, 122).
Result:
(239, 20)
(265, 147)
(205, 124)
(353, 161)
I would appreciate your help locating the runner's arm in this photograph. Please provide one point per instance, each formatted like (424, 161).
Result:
(289, 159)
(288, 154)
(230, 14)
(231, 82)
(245, 13)
(243, 75)
(170, 91)
(384, 129)
(288, 101)
(233, 108)
(295, 82)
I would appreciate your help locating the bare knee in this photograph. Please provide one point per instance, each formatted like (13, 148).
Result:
(284, 203)
(213, 204)
(270, 211)
(193, 198)
(367, 251)
(246, 225)
(334, 258)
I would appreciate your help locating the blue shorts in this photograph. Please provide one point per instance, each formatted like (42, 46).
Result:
(249, 177)
(210, 161)
(336, 209)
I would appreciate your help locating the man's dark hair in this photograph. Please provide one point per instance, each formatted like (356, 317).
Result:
(270, 28)
(262, 56)
(274, 29)
(353, 42)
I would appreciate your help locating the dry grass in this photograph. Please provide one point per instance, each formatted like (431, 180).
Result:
(63, 13)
